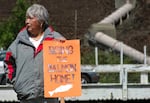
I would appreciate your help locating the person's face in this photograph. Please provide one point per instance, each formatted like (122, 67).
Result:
(33, 25)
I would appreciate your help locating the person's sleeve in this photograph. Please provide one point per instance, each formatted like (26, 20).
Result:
(10, 64)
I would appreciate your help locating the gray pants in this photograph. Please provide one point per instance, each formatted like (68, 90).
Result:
(41, 100)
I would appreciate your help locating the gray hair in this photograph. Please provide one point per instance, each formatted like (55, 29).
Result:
(38, 11)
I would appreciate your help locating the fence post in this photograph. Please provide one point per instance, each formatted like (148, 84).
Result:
(123, 75)
(121, 63)
(144, 75)
(96, 55)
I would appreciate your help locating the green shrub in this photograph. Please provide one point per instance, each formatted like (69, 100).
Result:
(11, 26)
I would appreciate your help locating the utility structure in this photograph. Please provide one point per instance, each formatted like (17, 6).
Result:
(104, 32)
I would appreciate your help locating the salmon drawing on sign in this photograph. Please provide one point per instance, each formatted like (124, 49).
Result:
(62, 88)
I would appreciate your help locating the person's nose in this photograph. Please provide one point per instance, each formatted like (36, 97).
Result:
(27, 21)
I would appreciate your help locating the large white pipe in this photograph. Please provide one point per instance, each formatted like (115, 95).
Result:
(119, 13)
(115, 44)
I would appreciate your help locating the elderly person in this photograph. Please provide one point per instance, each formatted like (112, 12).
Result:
(24, 61)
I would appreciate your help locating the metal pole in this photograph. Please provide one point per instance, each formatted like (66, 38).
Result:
(75, 24)
(121, 63)
(123, 74)
(96, 55)
(144, 75)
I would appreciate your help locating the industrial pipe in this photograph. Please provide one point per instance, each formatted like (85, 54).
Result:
(119, 13)
(115, 44)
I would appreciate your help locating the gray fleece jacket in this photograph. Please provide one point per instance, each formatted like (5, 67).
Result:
(24, 65)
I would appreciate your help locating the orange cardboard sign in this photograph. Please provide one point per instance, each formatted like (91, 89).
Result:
(62, 76)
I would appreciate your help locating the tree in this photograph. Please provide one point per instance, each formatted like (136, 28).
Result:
(10, 28)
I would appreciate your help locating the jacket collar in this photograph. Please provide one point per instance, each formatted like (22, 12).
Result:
(24, 37)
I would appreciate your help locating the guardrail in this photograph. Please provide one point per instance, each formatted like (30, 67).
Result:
(116, 91)
(103, 91)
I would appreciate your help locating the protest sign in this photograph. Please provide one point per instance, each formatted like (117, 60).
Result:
(62, 76)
